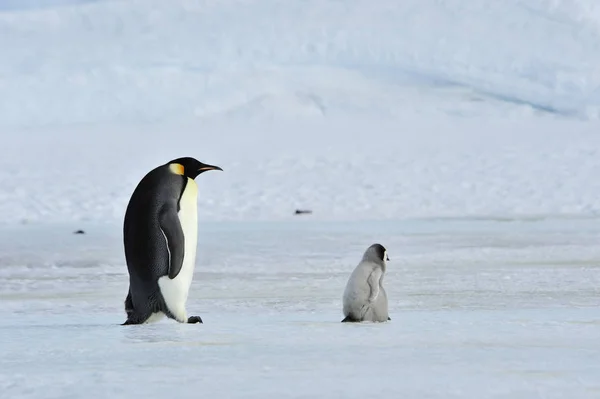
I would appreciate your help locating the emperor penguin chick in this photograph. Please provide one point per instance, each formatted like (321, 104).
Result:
(365, 298)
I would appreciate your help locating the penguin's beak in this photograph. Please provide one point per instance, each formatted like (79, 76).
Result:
(206, 167)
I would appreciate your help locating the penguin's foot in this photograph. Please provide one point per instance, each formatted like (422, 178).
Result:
(350, 319)
(194, 320)
(389, 318)
(129, 322)
(142, 318)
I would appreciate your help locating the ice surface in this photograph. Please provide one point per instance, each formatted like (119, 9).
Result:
(479, 308)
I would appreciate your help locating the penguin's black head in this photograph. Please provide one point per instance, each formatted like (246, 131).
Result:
(190, 167)
(379, 252)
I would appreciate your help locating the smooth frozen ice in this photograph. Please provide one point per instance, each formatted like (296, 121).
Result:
(479, 308)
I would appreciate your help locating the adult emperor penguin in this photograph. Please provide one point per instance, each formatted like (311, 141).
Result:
(160, 233)
(364, 297)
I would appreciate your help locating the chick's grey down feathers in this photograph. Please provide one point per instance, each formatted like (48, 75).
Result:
(365, 298)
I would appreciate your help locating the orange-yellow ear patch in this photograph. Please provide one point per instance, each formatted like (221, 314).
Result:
(176, 168)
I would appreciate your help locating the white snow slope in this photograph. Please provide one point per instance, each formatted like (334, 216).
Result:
(132, 61)
(317, 80)
(418, 108)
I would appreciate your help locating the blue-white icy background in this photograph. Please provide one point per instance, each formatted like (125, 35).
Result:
(462, 134)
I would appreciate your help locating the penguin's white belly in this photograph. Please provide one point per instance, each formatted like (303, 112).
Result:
(175, 291)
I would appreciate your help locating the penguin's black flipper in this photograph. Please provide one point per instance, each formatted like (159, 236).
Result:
(171, 228)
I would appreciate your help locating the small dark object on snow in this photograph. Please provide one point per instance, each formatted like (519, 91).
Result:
(302, 211)
(79, 232)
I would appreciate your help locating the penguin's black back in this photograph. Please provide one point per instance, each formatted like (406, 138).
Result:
(146, 250)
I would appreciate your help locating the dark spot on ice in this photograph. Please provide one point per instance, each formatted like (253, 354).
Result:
(79, 232)
(303, 211)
